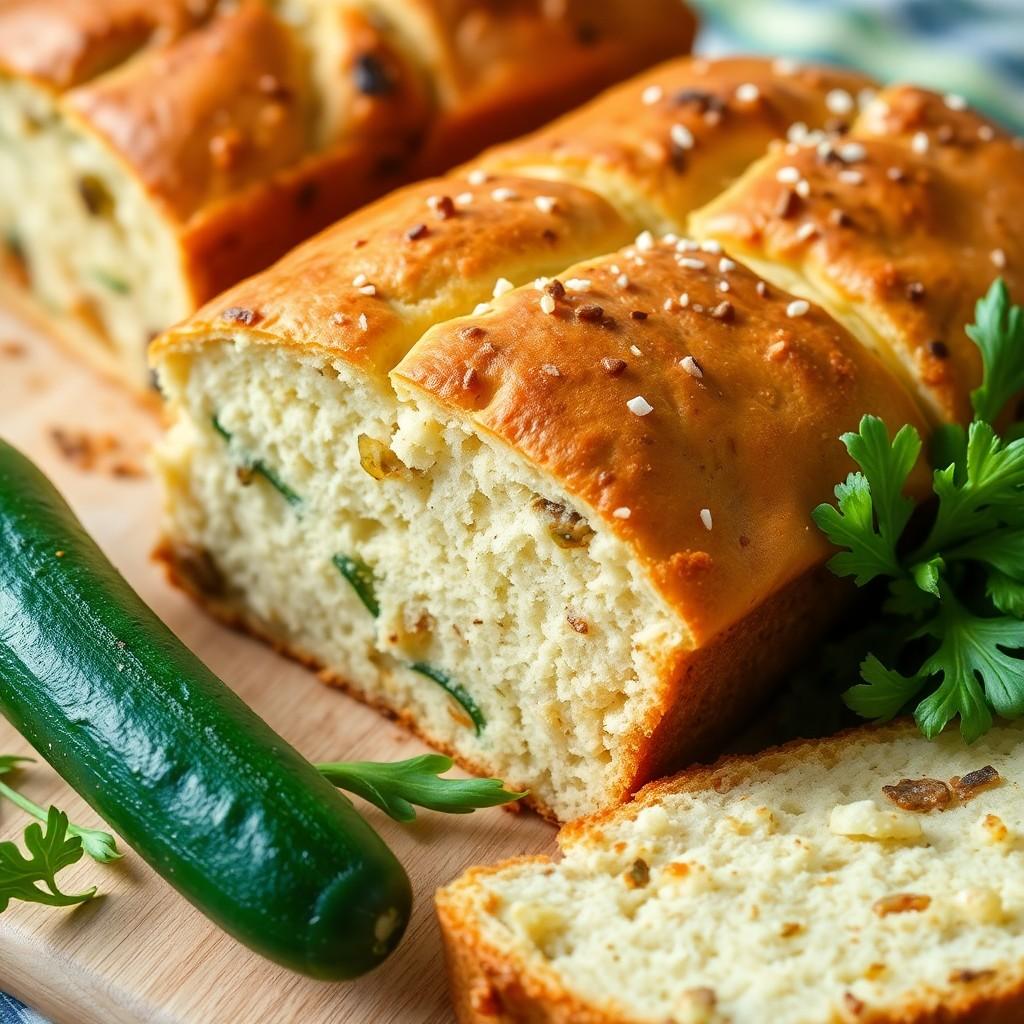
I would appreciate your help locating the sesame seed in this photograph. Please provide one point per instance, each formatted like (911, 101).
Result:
(338, 318)
(705, 518)
(986, 133)
(839, 218)
(712, 247)
(364, 324)
(895, 174)
(359, 280)
(684, 299)
(851, 177)
(785, 66)
(839, 101)
(692, 367)
(803, 188)
(851, 152)
(806, 231)
(480, 308)
(546, 204)
(787, 204)
(668, 305)
(762, 289)
(723, 311)
(621, 512)
(919, 143)
(748, 93)
(681, 136)
(478, 177)
(866, 96)
(787, 175)
(469, 378)
(550, 370)
(798, 307)
(725, 265)
(368, 289)
(651, 95)
(504, 195)
(645, 241)
(639, 406)
(692, 263)
(622, 281)
(998, 258)
(547, 304)
(723, 286)
(797, 132)
(635, 350)
(577, 284)
(955, 101)
(464, 199)
(501, 286)
(686, 245)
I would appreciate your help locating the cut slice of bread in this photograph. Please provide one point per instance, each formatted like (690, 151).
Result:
(874, 876)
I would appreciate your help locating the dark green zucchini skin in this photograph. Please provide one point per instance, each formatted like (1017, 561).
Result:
(196, 783)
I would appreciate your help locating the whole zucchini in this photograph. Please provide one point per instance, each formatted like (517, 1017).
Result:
(222, 807)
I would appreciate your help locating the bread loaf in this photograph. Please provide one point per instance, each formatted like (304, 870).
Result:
(539, 490)
(153, 152)
(873, 877)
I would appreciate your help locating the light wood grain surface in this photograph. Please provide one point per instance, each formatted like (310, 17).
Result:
(141, 954)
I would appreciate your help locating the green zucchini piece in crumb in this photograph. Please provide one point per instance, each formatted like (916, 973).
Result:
(456, 690)
(362, 579)
(111, 281)
(259, 467)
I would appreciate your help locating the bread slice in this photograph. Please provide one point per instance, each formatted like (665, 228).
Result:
(812, 884)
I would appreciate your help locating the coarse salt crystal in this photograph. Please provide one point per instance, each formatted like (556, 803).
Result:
(639, 406)
(691, 366)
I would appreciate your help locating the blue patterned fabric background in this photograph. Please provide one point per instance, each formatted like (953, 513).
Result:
(971, 47)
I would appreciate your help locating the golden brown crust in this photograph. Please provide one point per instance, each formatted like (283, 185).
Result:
(422, 254)
(900, 228)
(701, 434)
(61, 43)
(671, 139)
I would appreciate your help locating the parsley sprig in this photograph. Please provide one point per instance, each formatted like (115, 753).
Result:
(33, 878)
(396, 786)
(957, 595)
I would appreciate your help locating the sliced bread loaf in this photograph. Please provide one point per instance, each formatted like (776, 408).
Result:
(870, 877)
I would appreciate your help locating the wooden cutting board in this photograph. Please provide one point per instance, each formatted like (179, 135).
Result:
(141, 954)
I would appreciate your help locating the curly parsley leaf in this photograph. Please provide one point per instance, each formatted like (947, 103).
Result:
(961, 590)
(397, 786)
(998, 330)
(33, 878)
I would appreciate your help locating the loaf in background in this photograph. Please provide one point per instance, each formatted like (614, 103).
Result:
(540, 492)
(153, 152)
(806, 885)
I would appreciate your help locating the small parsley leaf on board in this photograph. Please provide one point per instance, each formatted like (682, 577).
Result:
(398, 787)
(961, 590)
(33, 878)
